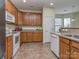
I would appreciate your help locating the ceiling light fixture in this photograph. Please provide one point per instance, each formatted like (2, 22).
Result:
(24, 1)
(51, 3)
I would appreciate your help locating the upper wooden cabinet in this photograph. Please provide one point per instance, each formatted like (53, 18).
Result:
(19, 21)
(32, 19)
(11, 8)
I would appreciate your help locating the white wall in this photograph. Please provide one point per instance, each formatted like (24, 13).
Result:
(48, 13)
(75, 23)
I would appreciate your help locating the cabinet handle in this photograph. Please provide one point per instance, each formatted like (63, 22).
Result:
(67, 52)
(72, 51)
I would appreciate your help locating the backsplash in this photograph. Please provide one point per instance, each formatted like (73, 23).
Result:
(9, 28)
(31, 28)
(70, 30)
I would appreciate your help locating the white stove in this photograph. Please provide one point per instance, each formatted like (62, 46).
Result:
(16, 42)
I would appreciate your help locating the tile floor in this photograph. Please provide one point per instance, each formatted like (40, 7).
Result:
(34, 51)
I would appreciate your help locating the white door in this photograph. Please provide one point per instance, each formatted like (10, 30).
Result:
(47, 28)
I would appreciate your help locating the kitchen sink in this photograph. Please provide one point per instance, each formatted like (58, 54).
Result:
(76, 36)
(69, 35)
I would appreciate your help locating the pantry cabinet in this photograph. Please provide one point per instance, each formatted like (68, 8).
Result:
(9, 47)
(32, 19)
(69, 49)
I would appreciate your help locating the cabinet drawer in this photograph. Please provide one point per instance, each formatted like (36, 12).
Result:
(65, 40)
(75, 44)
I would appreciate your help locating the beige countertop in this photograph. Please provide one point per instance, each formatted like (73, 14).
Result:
(10, 34)
(65, 36)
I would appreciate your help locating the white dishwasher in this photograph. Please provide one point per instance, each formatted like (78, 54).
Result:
(55, 44)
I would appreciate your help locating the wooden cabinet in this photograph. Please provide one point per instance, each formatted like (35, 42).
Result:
(11, 8)
(37, 19)
(37, 36)
(74, 53)
(19, 21)
(27, 37)
(69, 49)
(32, 19)
(9, 47)
(64, 49)
(74, 50)
(23, 37)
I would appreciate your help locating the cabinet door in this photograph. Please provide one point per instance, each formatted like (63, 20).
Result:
(19, 18)
(23, 37)
(29, 36)
(27, 19)
(11, 8)
(9, 47)
(74, 53)
(64, 50)
(37, 36)
(39, 20)
(74, 50)
(32, 19)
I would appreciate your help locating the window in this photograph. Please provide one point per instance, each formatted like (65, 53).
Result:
(58, 24)
(67, 22)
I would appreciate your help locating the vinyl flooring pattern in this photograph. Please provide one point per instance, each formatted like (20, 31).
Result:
(34, 51)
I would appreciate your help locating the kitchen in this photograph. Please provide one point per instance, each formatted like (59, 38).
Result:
(32, 31)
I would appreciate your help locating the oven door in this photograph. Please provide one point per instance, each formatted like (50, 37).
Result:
(16, 40)
(16, 43)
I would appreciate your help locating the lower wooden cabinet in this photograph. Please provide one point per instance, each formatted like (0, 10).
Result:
(37, 36)
(27, 37)
(23, 37)
(64, 51)
(69, 51)
(74, 50)
(9, 47)
(74, 53)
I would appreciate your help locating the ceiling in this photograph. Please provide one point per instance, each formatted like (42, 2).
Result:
(61, 6)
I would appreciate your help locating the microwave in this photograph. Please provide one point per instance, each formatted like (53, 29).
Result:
(9, 17)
